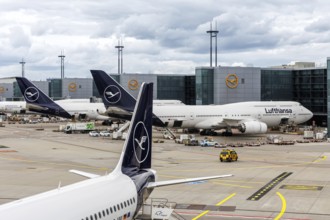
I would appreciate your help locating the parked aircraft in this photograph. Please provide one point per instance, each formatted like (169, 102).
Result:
(38, 101)
(19, 107)
(247, 117)
(118, 195)
(13, 107)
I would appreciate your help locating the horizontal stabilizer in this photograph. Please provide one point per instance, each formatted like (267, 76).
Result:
(84, 174)
(118, 111)
(36, 107)
(179, 181)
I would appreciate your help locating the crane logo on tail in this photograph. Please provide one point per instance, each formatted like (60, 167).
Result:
(112, 94)
(31, 94)
(141, 143)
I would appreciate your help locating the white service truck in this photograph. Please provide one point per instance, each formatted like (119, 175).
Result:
(81, 127)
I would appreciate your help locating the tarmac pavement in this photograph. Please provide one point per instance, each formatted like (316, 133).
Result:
(269, 182)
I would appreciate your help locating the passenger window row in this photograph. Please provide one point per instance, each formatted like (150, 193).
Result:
(111, 210)
(208, 115)
(172, 116)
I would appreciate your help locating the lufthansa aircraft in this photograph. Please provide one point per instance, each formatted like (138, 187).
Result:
(19, 107)
(39, 102)
(13, 107)
(247, 117)
(118, 195)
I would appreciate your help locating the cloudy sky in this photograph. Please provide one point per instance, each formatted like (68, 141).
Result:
(161, 37)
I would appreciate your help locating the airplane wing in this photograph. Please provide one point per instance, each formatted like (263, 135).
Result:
(84, 174)
(233, 121)
(179, 181)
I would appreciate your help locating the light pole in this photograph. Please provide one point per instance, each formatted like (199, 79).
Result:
(62, 64)
(23, 63)
(120, 48)
(213, 34)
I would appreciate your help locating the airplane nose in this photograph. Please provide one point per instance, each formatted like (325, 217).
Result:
(310, 114)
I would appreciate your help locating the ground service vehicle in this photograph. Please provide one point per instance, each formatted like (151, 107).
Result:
(208, 143)
(82, 127)
(228, 155)
(105, 133)
(94, 134)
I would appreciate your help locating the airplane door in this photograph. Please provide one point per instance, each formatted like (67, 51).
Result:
(192, 116)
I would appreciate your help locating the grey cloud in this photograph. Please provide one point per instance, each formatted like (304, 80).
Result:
(157, 33)
(321, 25)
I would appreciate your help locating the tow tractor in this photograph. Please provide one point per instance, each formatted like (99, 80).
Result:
(228, 155)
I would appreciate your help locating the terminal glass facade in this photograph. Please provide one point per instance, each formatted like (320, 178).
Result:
(310, 89)
(306, 86)
(171, 87)
(328, 93)
(17, 95)
(190, 93)
(55, 89)
(204, 86)
(276, 85)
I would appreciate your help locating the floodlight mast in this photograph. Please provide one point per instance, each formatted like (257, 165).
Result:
(62, 64)
(213, 34)
(120, 48)
(23, 70)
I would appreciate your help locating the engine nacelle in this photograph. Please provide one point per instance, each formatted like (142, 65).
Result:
(252, 127)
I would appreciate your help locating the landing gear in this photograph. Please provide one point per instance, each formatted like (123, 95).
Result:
(208, 132)
(228, 132)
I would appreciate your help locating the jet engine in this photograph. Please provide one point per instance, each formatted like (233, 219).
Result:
(252, 127)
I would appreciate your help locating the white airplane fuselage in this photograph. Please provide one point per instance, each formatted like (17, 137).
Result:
(93, 111)
(233, 115)
(102, 196)
(14, 107)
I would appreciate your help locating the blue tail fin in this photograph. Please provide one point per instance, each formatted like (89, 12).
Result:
(115, 96)
(136, 154)
(39, 101)
(112, 93)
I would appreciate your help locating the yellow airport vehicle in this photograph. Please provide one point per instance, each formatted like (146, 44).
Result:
(228, 155)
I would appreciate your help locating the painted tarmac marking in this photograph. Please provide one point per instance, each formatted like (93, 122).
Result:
(320, 159)
(269, 186)
(283, 206)
(302, 187)
(218, 204)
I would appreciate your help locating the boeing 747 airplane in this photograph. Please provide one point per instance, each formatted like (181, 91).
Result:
(247, 117)
(118, 195)
(39, 102)
(19, 107)
(13, 107)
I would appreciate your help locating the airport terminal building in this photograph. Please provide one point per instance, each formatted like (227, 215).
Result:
(302, 82)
